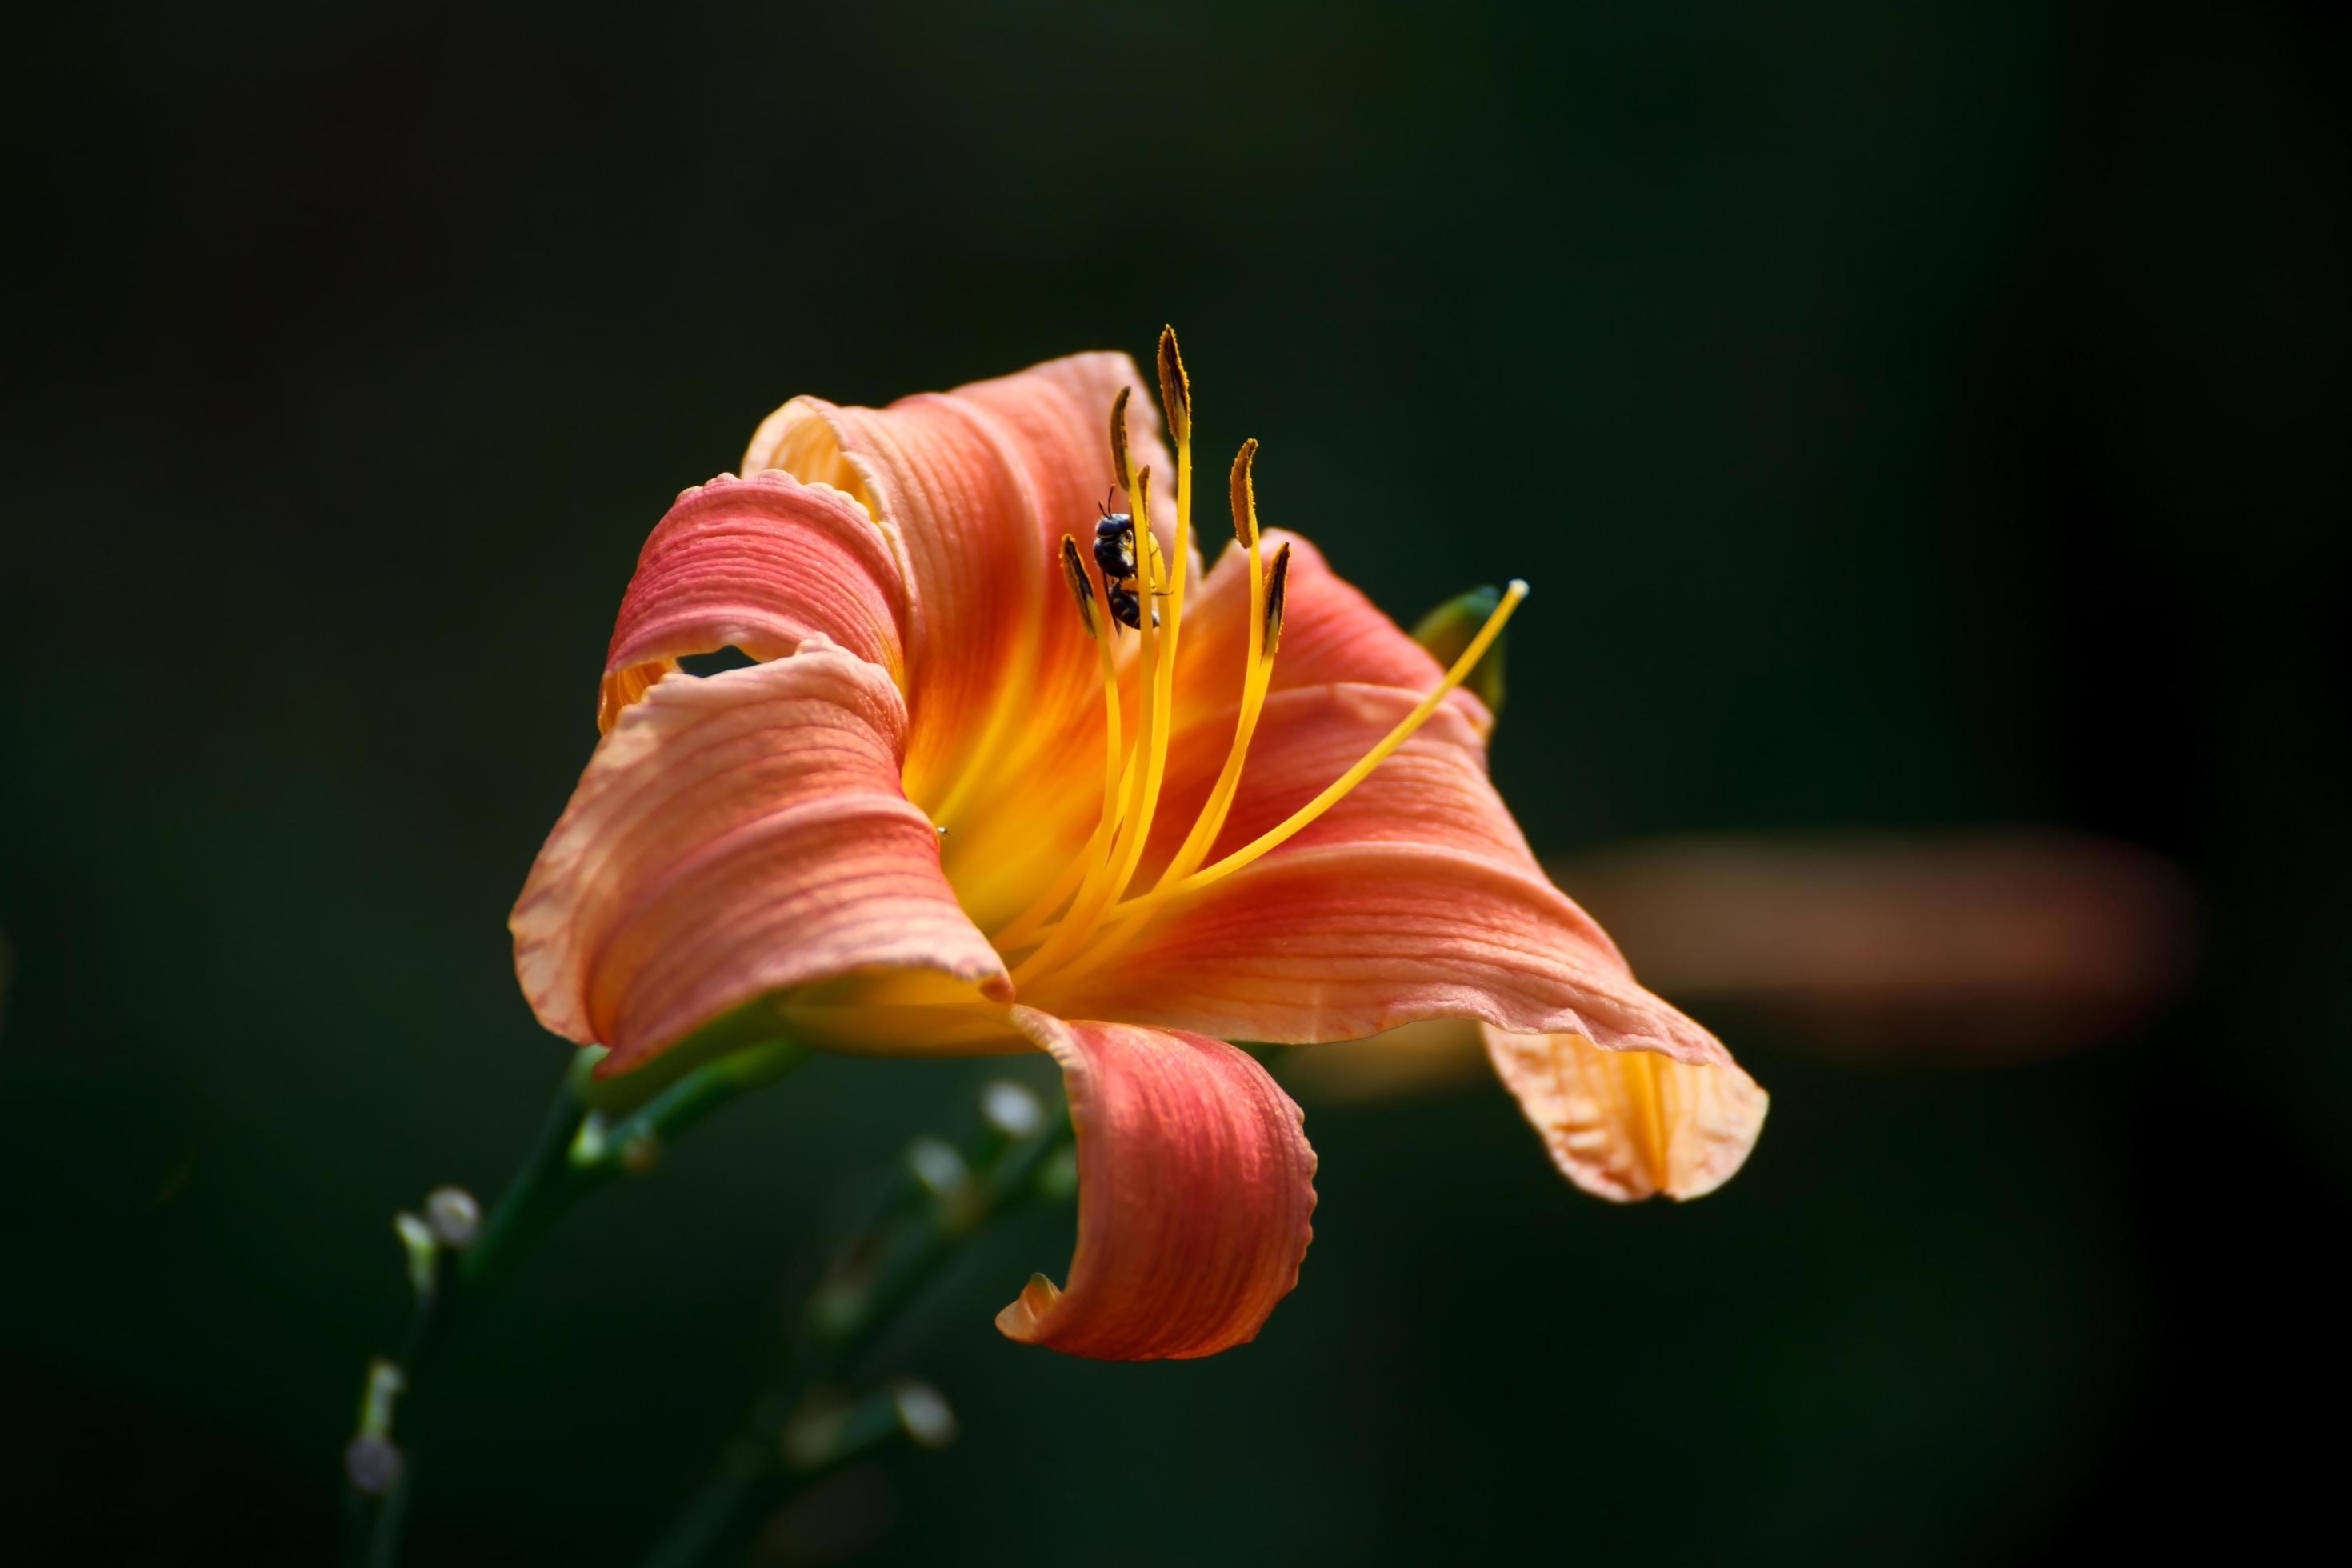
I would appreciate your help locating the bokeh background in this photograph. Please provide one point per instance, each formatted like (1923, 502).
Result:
(1915, 420)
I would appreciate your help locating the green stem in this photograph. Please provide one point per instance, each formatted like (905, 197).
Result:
(534, 1199)
(875, 1278)
(453, 1274)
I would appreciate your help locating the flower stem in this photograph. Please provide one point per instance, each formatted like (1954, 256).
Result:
(457, 1261)
(804, 1428)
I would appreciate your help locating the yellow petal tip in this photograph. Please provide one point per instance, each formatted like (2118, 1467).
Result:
(1023, 1317)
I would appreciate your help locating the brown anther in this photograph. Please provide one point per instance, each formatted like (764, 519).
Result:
(1245, 494)
(1275, 577)
(1175, 392)
(1081, 589)
(1118, 468)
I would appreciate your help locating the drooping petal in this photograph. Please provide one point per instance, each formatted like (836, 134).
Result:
(1626, 1125)
(1195, 1190)
(758, 564)
(974, 489)
(733, 836)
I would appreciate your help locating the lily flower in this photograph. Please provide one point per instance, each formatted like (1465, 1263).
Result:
(976, 796)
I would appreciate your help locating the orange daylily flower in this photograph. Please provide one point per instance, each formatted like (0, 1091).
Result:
(958, 807)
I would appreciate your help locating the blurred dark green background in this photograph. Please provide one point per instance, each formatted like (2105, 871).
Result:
(1910, 417)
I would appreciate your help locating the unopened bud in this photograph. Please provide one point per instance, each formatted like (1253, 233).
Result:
(372, 1464)
(924, 1412)
(938, 1167)
(453, 1214)
(1011, 1110)
(424, 1250)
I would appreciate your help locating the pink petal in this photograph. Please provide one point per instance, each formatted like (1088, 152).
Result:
(1626, 1125)
(758, 564)
(734, 836)
(1195, 1190)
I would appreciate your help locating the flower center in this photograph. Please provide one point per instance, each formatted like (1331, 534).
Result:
(1090, 911)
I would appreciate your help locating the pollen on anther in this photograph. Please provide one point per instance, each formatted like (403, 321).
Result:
(1276, 576)
(1083, 591)
(1119, 465)
(1244, 489)
(1175, 391)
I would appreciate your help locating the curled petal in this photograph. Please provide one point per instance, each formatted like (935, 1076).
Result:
(758, 564)
(1195, 1189)
(1626, 1125)
(734, 836)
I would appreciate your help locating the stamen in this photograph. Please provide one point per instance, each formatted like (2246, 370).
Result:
(1074, 571)
(1245, 496)
(1175, 393)
(1266, 624)
(1119, 466)
(1168, 582)
(1277, 583)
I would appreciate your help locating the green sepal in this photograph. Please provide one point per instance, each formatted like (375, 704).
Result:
(1446, 631)
(742, 1031)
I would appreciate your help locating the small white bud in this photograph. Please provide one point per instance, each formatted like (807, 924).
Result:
(923, 1411)
(456, 1218)
(939, 1167)
(1011, 1108)
(373, 1463)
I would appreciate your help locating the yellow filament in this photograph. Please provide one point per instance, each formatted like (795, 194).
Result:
(1255, 676)
(1276, 837)
(1170, 580)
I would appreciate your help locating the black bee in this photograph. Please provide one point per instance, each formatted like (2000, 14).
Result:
(1115, 554)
